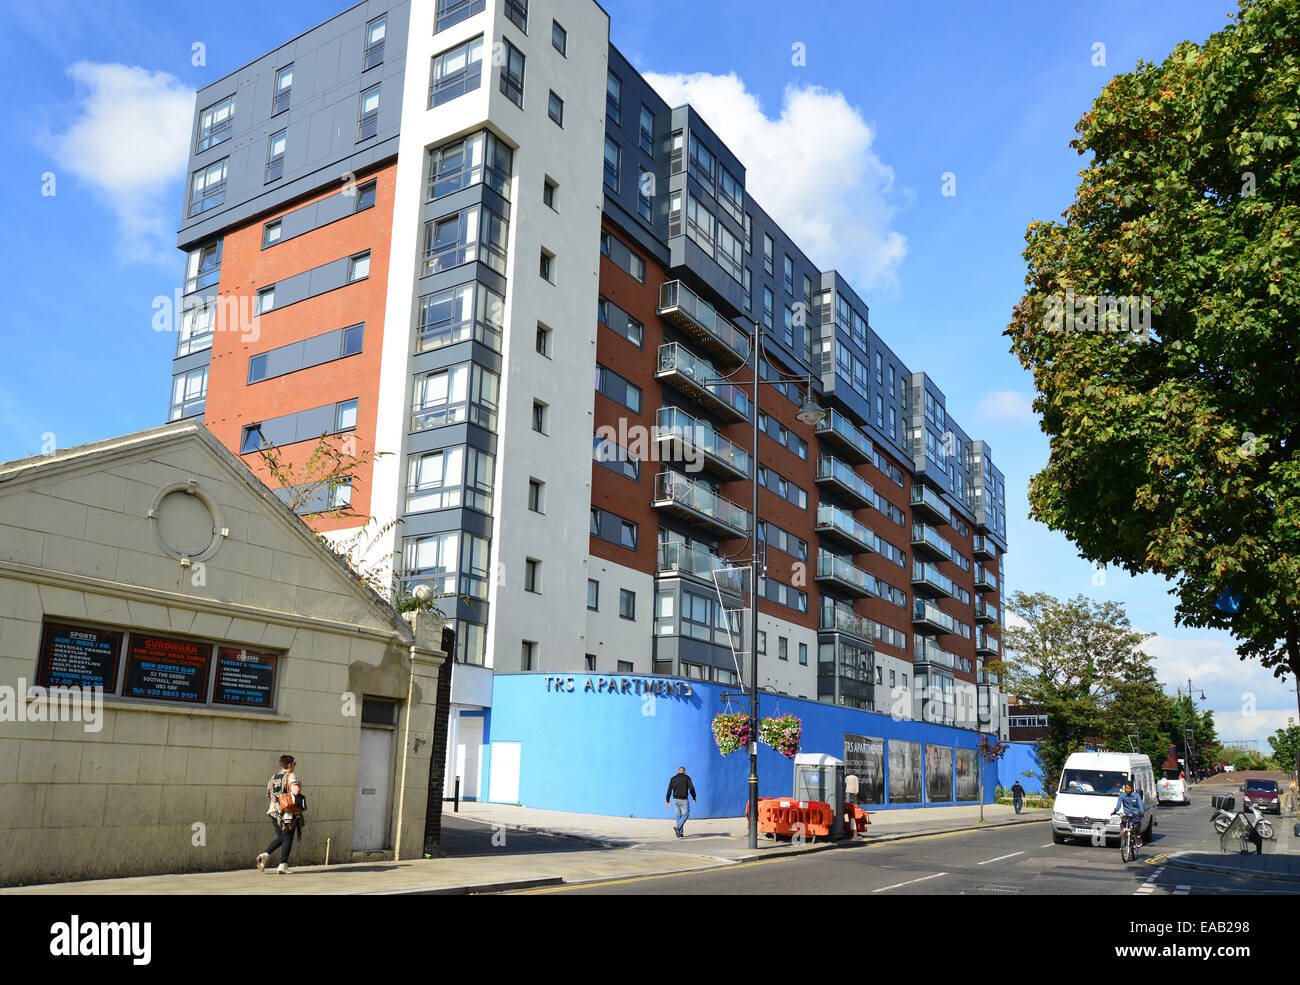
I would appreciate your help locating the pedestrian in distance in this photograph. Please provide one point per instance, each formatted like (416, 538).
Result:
(679, 787)
(1017, 795)
(285, 813)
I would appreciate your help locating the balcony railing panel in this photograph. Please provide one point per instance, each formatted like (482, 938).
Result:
(677, 425)
(696, 501)
(684, 308)
(840, 475)
(840, 523)
(694, 376)
(845, 573)
(839, 429)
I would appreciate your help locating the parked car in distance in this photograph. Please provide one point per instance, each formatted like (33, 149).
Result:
(1172, 788)
(1264, 794)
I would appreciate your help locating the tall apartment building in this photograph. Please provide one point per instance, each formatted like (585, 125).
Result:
(433, 225)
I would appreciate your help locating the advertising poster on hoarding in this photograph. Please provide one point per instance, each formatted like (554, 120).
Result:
(864, 757)
(904, 772)
(938, 774)
(78, 656)
(967, 777)
(171, 670)
(244, 678)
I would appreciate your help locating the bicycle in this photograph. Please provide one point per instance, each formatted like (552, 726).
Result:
(1128, 827)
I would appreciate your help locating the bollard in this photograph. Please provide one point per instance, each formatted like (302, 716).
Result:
(455, 800)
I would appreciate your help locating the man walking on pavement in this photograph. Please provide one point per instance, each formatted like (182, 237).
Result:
(678, 789)
(1017, 795)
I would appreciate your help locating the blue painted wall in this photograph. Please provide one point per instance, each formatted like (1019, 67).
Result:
(612, 752)
(1019, 759)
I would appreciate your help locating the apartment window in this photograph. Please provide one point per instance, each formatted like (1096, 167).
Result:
(457, 314)
(646, 137)
(627, 534)
(266, 299)
(315, 351)
(517, 11)
(625, 666)
(768, 304)
(533, 576)
(546, 266)
(699, 224)
(283, 89)
(512, 74)
(345, 415)
(366, 195)
(782, 648)
(275, 155)
(593, 595)
(368, 116)
(591, 663)
(730, 195)
(549, 188)
(789, 275)
(359, 267)
(767, 254)
(456, 72)
(528, 659)
(613, 456)
(614, 98)
(803, 654)
(215, 124)
(543, 340)
(612, 155)
(618, 389)
(451, 12)
(880, 412)
(189, 393)
(435, 480)
(208, 187)
(197, 325)
(461, 163)
(374, 52)
(536, 495)
(203, 267)
(749, 233)
(626, 604)
(644, 199)
(555, 108)
(622, 256)
(893, 423)
(702, 162)
(271, 234)
(559, 38)
(762, 641)
(474, 233)
(455, 395)
(539, 416)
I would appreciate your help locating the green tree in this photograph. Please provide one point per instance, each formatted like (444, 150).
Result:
(1286, 747)
(1080, 662)
(1175, 448)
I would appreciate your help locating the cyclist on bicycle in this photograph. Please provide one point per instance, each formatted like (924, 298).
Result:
(1130, 810)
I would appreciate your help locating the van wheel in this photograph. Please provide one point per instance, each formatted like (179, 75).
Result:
(1059, 838)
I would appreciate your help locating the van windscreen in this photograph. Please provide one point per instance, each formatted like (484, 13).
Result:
(1101, 783)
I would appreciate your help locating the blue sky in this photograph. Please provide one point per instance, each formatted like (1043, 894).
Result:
(848, 150)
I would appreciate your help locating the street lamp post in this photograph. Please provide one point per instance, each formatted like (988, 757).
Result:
(809, 413)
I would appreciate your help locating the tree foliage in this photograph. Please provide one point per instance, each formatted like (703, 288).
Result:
(1286, 747)
(1176, 451)
(1081, 663)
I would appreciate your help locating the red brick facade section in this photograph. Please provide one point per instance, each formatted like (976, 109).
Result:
(245, 269)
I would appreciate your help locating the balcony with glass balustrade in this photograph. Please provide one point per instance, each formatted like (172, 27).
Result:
(985, 579)
(695, 316)
(928, 577)
(838, 475)
(697, 378)
(696, 501)
(840, 524)
(928, 502)
(689, 436)
(839, 430)
(843, 573)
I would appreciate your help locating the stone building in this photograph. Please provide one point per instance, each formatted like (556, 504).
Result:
(169, 628)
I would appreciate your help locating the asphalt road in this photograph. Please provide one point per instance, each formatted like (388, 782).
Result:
(1004, 861)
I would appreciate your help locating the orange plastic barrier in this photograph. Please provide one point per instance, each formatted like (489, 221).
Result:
(786, 816)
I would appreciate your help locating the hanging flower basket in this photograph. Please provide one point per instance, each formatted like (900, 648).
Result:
(782, 733)
(731, 731)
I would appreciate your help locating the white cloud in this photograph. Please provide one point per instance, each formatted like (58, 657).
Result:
(813, 169)
(1247, 700)
(129, 141)
(1007, 405)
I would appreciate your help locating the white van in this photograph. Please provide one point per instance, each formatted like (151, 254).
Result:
(1088, 792)
(1171, 788)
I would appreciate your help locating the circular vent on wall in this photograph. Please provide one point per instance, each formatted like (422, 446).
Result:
(187, 522)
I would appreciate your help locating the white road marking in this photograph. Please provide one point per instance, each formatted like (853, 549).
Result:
(999, 858)
(1048, 845)
(909, 882)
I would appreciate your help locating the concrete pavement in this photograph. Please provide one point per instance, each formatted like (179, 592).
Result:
(629, 847)
(1280, 861)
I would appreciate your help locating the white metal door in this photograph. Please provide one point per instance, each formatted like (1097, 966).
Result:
(374, 778)
(469, 748)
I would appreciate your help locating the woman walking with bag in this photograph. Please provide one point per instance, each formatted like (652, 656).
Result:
(285, 812)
